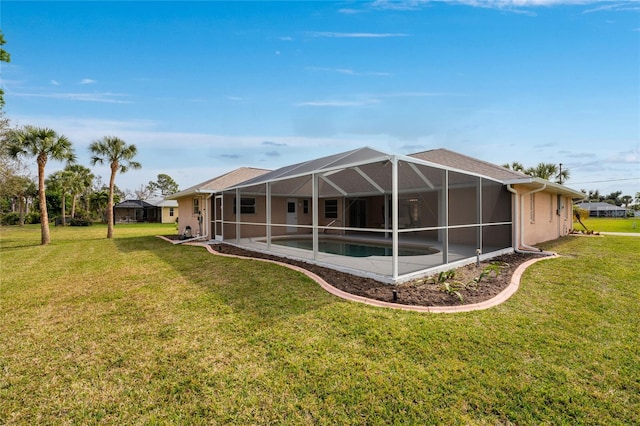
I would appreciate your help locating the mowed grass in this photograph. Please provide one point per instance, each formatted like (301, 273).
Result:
(605, 224)
(136, 330)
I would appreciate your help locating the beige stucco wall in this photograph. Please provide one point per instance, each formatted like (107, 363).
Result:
(188, 217)
(166, 217)
(546, 222)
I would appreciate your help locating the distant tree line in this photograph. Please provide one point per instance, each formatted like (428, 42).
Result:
(73, 195)
(75, 189)
(553, 172)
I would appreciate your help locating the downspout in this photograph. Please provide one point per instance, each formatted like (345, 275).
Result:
(515, 214)
(519, 228)
(208, 211)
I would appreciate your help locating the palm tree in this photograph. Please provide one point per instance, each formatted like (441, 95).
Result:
(42, 143)
(547, 171)
(119, 155)
(98, 201)
(61, 181)
(82, 179)
(515, 166)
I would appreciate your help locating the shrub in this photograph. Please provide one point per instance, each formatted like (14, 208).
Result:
(32, 217)
(12, 218)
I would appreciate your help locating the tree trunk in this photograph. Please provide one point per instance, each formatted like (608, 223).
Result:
(21, 209)
(45, 236)
(112, 184)
(64, 200)
(73, 205)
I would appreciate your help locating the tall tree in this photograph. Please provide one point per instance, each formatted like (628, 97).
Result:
(4, 57)
(142, 193)
(165, 185)
(614, 198)
(119, 156)
(21, 189)
(515, 165)
(546, 171)
(44, 144)
(98, 201)
(61, 181)
(82, 179)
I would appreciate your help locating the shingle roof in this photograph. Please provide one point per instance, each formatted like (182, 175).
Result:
(598, 206)
(470, 164)
(226, 180)
(132, 204)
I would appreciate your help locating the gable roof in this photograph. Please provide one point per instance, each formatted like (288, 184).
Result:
(161, 202)
(469, 164)
(599, 206)
(219, 183)
(132, 204)
(484, 168)
(356, 156)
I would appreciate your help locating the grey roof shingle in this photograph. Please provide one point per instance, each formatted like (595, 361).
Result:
(226, 180)
(470, 164)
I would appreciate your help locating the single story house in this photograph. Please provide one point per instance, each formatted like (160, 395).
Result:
(601, 209)
(194, 203)
(385, 216)
(156, 210)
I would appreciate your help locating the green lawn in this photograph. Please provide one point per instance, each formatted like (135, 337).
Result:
(603, 224)
(136, 330)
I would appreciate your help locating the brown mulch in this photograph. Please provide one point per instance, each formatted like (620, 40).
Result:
(463, 288)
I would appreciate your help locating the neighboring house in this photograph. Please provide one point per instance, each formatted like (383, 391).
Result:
(158, 211)
(167, 210)
(194, 203)
(390, 217)
(601, 209)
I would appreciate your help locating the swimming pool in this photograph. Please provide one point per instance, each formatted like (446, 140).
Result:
(352, 249)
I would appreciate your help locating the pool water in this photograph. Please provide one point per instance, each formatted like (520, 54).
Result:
(352, 249)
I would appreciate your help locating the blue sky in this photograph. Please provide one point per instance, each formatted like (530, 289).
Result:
(204, 87)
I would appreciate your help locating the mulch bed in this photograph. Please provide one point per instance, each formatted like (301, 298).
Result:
(462, 289)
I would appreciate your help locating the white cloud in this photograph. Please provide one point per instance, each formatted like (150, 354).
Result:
(55, 83)
(87, 81)
(631, 156)
(348, 11)
(105, 97)
(348, 71)
(337, 103)
(514, 6)
(330, 34)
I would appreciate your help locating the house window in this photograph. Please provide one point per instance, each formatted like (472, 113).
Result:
(305, 206)
(532, 212)
(331, 209)
(196, 206)
(170, 211)
(247, 206)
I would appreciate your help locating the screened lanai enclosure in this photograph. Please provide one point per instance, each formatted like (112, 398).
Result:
(372, 214)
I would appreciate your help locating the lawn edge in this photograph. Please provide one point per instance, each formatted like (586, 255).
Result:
(498, 299)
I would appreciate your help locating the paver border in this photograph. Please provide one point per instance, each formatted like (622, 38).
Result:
(501, 297)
